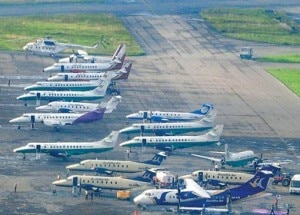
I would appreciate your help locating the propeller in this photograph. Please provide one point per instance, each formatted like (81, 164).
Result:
(178, 196)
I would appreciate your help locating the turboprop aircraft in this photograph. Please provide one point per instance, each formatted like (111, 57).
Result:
(76, 96)
(172, 128)
(80, 107)
(238, 159)
(111, 166)
(59, 119)
(90, 182)
(115, 64)
(81, 56)
(51, 47)
(210, 198)
(66, 149)
(121, 74)
(160, 116)
(174, 142)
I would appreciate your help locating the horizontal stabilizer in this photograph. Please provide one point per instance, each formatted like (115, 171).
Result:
(207, 158)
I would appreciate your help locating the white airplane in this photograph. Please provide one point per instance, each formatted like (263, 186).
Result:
(89, 182)
(66, 149)
(82, 56)
(188, 199)
(160, 116)
(97, 93)
(80, 107)
(51, 47)
(121, 74)
(115, 64)
(59, 119)
(221, 176)
(175, 142)
(111, 166)
(238, 159)
(172, 128)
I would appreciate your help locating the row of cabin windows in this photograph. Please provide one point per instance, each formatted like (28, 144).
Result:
(167, 140)
(54, 117)
(165, 126)
(63, 147)
(98, 182)
(222, 177)
(84, 67)
(74, 106)
(113, 165)
(46, 48)
(67, 85)
(60, 94)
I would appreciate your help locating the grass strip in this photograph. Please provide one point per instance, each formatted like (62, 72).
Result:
(80, 29)
(289, 77)
(269, 26)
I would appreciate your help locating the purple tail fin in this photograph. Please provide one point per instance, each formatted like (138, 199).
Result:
(90, 116)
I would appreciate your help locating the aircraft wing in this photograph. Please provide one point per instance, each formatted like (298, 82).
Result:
(192, 186)
(207, 158)
(210, 210)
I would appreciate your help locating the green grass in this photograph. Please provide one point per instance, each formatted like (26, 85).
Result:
(78, 29)
(254, 25)
(294, 58)
(289, 77)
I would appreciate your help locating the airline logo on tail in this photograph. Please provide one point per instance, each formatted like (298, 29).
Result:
(257, 183)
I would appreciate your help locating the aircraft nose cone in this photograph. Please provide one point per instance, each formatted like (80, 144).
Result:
(73, 167)
(14, 120)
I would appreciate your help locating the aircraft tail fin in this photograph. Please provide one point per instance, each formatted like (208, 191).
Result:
(255, 185)
(210, 117)
(205, 109)
(215, 133)
(157, 159)
(111, 139)
(112, 104)
(124, 72)
(103, 83)
(119, 52)
(90, 116)
(118, 62)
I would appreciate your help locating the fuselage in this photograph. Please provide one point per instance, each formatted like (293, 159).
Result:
(226, 177)
(77, 107)
(64, 95)
(165, 141)
(110, 165)
(240, 158)
(67, 67)
(118, 183)
(168, 128)
(165, 116)
(68, 148)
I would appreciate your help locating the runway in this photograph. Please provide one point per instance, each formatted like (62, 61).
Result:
(187, 64)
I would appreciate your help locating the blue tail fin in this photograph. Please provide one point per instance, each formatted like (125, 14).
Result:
(205, 108)
(157, 159)
(255, 185)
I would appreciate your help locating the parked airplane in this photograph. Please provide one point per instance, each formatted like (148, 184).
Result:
(89, 182)
(82, 56)
(50, 46)
(59, 119)
(189, 200)
(238, 159)
(174, 142)
(225, 177)
(121, 74)
(97, 93)
(79, 107)
(159, 116)
(66, 149)
(115, 64)
(172, 128)
(110, 166)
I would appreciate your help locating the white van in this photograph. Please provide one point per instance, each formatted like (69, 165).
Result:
(295, 184)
